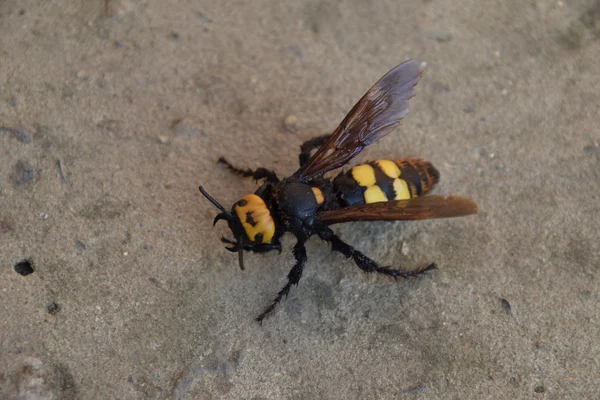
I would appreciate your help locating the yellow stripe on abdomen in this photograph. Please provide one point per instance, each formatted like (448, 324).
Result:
(386, 180)
(364, 175)
(374, 194)
(401, 189)
(389, 168)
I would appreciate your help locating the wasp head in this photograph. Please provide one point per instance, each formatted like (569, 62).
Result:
(250, 222)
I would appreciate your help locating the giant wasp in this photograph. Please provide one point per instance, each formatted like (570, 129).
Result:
(307, 203)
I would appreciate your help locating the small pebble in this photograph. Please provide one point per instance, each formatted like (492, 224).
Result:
(24, 268)
(162, 139)
(290, 123)
(405, 249)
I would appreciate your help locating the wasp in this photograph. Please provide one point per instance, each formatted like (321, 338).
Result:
(308, 203)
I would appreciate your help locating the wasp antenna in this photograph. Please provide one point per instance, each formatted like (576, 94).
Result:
(211, 199)
(241, 257)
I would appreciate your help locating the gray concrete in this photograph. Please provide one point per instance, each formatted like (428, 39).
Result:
(114, 112)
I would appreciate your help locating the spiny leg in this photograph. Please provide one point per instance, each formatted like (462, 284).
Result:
(293, 278)
(309, 146)
(259, 173)
(364, 262)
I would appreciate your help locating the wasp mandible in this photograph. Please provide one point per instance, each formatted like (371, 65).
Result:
(308, 203)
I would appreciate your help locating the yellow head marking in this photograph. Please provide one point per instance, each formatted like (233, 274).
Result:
(255, 218)
(389, 168)
(374, 194)
(318, 195)
(364, 175)
(401, 189)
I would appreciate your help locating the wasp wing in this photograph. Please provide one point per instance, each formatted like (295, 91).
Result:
(376, 114)
(428, 207)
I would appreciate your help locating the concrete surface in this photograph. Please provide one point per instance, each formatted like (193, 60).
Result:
(114, 112)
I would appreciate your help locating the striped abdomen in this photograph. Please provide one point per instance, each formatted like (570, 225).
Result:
(386, 180)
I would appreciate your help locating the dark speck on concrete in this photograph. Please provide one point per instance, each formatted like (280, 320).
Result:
(118, 44)
(79, 245)
(591, 149)
(185, 128)
(23, 173)
(52, 308)
(441, 36)
(24, 268)
(539, 389)
(19, 133)
(5, 226)
(585, 27)
(591, 18)
(506, 306)
(65, 381)
(59, 171)
(203, 17)
(416, 390)
(175, 36)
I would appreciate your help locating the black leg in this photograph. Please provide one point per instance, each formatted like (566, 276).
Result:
(364, 262)
(293, 278)
(256, 248)
(259, 173)
(265, 247)
(309, 146)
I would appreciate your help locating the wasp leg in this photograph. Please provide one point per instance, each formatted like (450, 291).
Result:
(365, 263)
(259, 173)
(310, 145)
(264, 247)
(293, 278)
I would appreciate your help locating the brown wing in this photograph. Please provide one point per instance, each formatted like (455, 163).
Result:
(427, 207)
(376, 114)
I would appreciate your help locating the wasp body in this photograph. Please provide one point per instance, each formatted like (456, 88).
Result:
(307, 203)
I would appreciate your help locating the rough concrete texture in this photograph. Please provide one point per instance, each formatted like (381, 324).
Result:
(113, 112)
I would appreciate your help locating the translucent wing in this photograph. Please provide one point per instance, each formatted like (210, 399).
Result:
(376, 114)
(428, 207)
